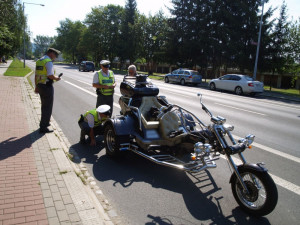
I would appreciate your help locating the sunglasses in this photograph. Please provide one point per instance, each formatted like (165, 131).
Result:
(106, 66)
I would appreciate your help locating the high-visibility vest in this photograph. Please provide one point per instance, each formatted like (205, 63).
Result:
(93, 112)
(109, 81)
(41, 71)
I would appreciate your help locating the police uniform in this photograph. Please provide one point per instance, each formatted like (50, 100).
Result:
(44, 68)
(104, 96)
(92, 120)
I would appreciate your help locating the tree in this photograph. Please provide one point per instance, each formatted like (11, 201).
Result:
(68, 39)
(12, 22)
(103, 32)
(279, 43)
(152, 39)
(128, 36)
(41, 44)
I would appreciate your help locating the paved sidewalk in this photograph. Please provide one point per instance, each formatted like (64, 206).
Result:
(38, 182)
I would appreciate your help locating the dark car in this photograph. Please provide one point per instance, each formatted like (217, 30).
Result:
(87, 66)
(184, 76)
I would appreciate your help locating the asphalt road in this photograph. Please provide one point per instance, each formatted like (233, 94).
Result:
(145, 193)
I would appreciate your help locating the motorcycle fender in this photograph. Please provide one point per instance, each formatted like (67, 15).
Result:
(254, 167)
(122, 125)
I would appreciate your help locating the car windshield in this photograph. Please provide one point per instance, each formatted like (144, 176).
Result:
(195, 73)
(89, 64)
(248, 78)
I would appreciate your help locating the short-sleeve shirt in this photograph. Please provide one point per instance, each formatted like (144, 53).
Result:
(96, 76)
(49, 66)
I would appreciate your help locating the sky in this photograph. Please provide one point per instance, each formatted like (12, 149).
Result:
(45, 20)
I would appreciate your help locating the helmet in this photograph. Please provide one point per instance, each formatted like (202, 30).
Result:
(103, 109)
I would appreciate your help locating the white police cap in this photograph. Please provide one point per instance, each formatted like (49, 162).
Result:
(103, 108)
(104, 62)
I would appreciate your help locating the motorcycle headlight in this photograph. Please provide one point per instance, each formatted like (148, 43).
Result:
(250, 138)
(228, 127)
(198, 148)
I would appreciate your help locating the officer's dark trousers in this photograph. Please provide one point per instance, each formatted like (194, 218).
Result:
(105, 100)
(85, 129)
(46, 93)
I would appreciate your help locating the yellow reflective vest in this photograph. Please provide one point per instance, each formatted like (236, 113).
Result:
(41, 71)
(97, 122)
(109, 81)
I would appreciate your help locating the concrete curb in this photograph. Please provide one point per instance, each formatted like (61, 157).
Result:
(68, 160)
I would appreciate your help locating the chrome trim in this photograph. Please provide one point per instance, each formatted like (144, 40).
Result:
(171, 161)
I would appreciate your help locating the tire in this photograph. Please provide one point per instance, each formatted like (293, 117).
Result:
(111, 141)
(260, 201)
(182, 82)
(167, 80)
(238, 90)
(212, 86)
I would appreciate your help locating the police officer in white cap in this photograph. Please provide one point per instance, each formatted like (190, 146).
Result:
(104, 81)
(91, 123)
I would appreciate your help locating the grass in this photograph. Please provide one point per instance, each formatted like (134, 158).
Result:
(63, 172)
(291, 92)
(16, 69)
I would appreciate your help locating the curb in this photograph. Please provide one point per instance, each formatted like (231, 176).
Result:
(105, 210)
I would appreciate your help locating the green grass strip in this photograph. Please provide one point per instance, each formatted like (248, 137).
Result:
(291, 92)
(16, 69)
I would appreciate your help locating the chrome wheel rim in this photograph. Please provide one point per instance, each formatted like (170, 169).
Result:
(110, 140)
(257, 196)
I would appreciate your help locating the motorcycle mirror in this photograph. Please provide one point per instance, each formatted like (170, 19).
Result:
(200, 95)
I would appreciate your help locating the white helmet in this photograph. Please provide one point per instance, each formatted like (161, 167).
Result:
(103, 109)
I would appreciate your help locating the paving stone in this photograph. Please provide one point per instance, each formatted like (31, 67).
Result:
(51, 181)
(53, 221)
(63, 215)
(59, 205)
(67, 199)
(70, 208)
(51, 212)
(46, 193)
(48, 202)
(74, 217)
(56, 196)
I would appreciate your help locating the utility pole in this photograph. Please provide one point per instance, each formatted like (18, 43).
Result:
(258, 42)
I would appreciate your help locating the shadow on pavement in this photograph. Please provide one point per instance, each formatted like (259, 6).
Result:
(132, 168)
(12, 146)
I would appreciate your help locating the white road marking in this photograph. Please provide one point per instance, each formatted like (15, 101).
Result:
(88, 92)
(273, 151)
(279, 181)
(240, 109)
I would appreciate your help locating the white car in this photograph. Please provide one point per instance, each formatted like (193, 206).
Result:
(240, 84)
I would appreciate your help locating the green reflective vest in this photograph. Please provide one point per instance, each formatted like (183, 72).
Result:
(97, 122)
(41, 71)
(109, 81)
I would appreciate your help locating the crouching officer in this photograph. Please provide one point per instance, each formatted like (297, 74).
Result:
(91, 123)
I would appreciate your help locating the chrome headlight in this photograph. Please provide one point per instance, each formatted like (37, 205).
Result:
(248, 140)
(228, 127)
(198, 148)
(202, 149)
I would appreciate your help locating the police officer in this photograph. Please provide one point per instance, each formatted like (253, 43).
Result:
(91, 123)
(104, 81)
(44, 77)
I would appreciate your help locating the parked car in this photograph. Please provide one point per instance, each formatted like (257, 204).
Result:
(87, 66)
(240, 84)
(184, 76)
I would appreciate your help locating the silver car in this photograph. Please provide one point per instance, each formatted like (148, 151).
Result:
(184, 76)
(240, 84)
